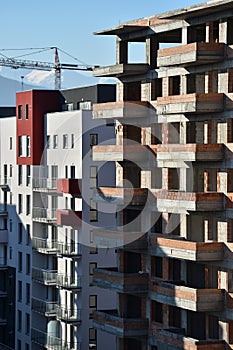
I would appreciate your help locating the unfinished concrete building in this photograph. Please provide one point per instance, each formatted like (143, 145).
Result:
(174, 175)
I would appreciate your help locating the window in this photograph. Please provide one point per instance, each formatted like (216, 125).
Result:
(157, 266)
(72, 140)
(65, 141)
(28, 238)
(92, 304)
(27, 293)
(10, 225)
(26, 111)
(156, 312)
(92, 338)
(20, 146)
(20, 261)
(28, 264)
(93, 211)
(20, 291)
(19, 320)
(20, 108)
(20, 233)
(28, 176)
(27, 324)
(55, 141)
(93, 139)
(72, 203)
(93, 247)
(93, 176)
(48, 141)
(28, 146)
(11, 143)
(20, 173)
(20, 206)
(92, 266)
(11, 170)
(28, 204)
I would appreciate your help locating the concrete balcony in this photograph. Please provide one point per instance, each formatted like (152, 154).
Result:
(111, 278)
(68, 217)
(69, 282)
(191, 54)
(178, 201)
(109, 321)
(46, 308)
(122, 69)
(44, 185)
(176, 294)
(191, 103)
(44, 246)
(123, 109)
(190, 152)
(176, 247)
(73, 250)
(119, 153)
(69, 186)
(71, 316)
(47, 277)
(50, 342)
(107, 238)
(166, 338)
(44, 215)
(3, 236)
(121, 196)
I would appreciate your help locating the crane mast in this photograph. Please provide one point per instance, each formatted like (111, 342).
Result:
(46, 66)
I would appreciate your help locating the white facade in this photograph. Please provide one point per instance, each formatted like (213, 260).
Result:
(54, 263)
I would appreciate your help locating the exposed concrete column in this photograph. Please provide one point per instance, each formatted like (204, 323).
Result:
(183, 226)
(222, 181)
(119, 91)
(183, 85)
(223, 30)
(184, 319)
(200, 83)
(183, 132)
(209, 32)
(184, 35)
(182, 179)
(199, 132)
(223, 81)
(165, 86)
(121, 51)
(222, 231)
(145, 90)
(151, 51)
(146, 178)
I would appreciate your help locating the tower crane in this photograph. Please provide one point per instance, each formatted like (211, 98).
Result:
(46, 66)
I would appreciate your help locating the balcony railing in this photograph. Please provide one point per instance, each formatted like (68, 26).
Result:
(46, 246)
(44, 184)
(50, 342)
(68, 282)
(44, 215)
(46, 308)
(48, 277)
(69, 249)
(5, 182)
(68, 315)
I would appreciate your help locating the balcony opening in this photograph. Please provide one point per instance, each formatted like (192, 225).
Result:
(133, 133)
(156, 134)
(132, 173)
(194, 221)
(195, 275)
(173, 224)
(170, 38)
(191, 83)
(191, 132)
(137, 52)
(156, 88)
(132, 306)
(174, 317)
(197, 33)
(230, 236)
(216, 31)
(134, 344)
(194, 319)
(230, 80)
(174, 269)
(132, 91)
(174, 85)
(156, 178)
(132, 262)
(230, 31)
(173, 179)
(156, 312)
(157, 267)
(230, 323)
(196, 83)
(174, 132)
(131, 220)
(156, 223)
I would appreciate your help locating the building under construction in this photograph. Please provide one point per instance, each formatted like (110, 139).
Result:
(174, 182)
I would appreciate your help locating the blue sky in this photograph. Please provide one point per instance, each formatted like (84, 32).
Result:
(70, 25)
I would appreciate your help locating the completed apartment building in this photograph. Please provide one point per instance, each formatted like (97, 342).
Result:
(47, 254)
(174, 178)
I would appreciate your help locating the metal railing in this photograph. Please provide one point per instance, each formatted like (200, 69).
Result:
(44, 276)
(53, 246)
(48, 308)
(69, 248)
(44, 214)
(68, 315)
(5, 181)
(70, 282)
(44, 183)
(44, 243)
(53, 343)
